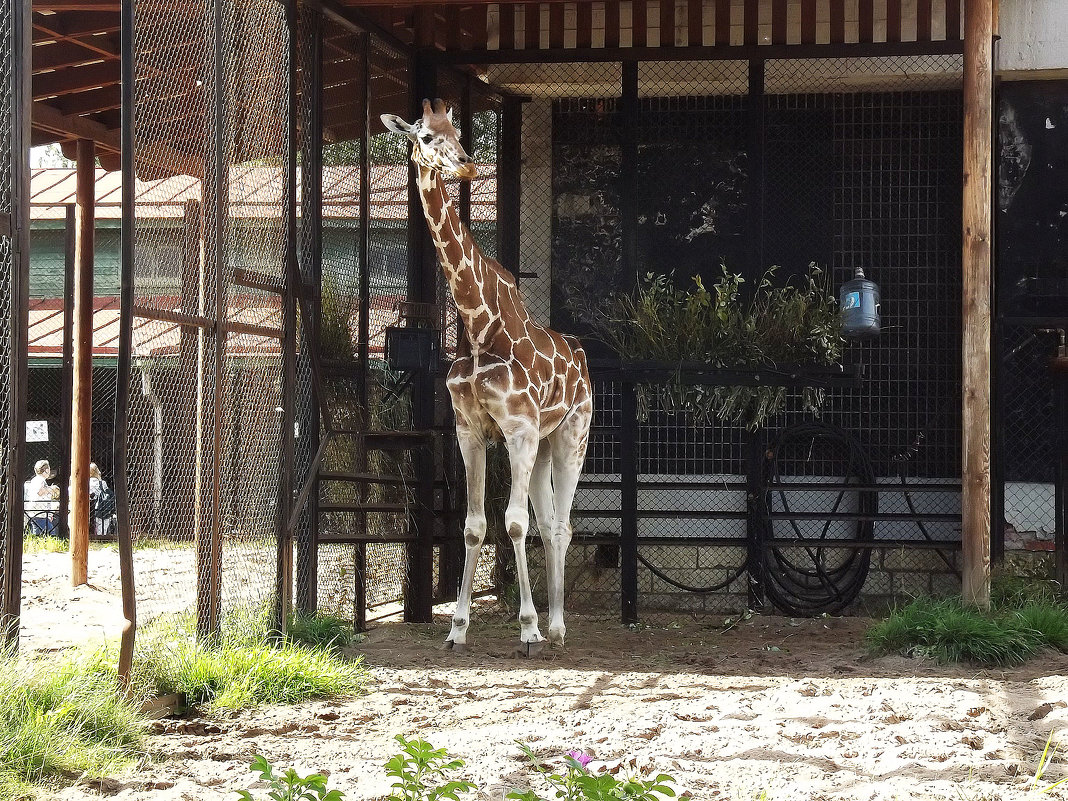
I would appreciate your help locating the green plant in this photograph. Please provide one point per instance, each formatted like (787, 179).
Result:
(63, 717)
(577, 783)
(320, 630)
(239, 670)
(794, 323)
(948, 631)
(1043, 763)
(290, 786)
(420, 773)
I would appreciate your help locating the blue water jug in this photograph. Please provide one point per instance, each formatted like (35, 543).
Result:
(859, 304)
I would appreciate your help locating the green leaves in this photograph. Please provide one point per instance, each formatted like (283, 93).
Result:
(793, 323)
(420, 773)
(577, 783)
(290, 786)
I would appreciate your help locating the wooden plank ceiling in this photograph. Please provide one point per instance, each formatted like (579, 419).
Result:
(517, 25)
(76, 50)
(75, 83)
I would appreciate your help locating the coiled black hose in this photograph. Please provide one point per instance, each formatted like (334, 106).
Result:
(824, 581)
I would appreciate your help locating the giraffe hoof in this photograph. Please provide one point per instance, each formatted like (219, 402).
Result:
(455, 647)
(528, 650)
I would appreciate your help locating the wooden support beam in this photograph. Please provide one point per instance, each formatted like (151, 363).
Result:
(82, 388)
(159, 155)
(61, 82)
(975, 421)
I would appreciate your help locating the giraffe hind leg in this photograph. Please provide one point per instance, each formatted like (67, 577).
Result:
(568, 455)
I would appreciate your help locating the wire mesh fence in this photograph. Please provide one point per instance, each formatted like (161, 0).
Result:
(845, 163)
(209, 398)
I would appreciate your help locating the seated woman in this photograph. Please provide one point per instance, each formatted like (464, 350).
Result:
(41, 500)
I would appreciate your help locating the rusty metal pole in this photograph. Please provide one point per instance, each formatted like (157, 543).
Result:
(82, 394)
(978, 149)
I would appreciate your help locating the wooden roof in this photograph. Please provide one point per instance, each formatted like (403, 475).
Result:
(76, 50)
(75, 84)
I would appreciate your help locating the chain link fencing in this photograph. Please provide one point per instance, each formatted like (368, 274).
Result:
(845, 163)
(211, 389)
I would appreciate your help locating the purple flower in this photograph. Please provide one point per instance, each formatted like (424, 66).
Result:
(581, 758)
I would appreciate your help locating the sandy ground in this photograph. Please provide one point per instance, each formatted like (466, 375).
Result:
(790, 707)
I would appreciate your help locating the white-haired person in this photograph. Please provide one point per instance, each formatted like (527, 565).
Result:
(41, 500)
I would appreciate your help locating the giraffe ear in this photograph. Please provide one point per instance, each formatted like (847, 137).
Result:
(448, 113)
(397, 125)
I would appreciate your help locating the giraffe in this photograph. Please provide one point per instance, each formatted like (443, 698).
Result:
(513, 379)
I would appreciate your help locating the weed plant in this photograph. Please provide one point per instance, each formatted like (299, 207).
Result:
(1019, 624)
(320, 630)
(793, 323)
(61, 719)
(240, 670)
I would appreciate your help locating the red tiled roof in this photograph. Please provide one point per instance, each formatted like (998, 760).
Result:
(254, 192)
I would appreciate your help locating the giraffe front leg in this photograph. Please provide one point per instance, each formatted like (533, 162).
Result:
(473, 450)
(522, 450)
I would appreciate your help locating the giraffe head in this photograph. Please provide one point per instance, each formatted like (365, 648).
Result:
(435, 142)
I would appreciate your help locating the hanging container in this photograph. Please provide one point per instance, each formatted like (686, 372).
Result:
(859, 303)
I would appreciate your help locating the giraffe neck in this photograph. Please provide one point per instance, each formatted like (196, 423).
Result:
(479, 285)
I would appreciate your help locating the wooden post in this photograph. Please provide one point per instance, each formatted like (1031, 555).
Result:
(82, 395)
(975, 420)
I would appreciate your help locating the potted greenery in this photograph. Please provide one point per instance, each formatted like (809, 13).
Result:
(794, 326)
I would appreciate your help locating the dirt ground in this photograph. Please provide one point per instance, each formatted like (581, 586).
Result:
(791, 707)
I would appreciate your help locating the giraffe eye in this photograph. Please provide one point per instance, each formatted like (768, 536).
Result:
(427, 139)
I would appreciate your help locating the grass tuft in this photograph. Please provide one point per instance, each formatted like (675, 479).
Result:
(948, 631)
(62, 719)
(320, 629)
(241, 670)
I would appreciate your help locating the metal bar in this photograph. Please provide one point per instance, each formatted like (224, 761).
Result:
(704, 53)
(661, 514)
(628, 514)
(697, 373)
(123, 533)
(815, 485)
(311, 274)
(344, 539)
(67, 387)
(628, 438)
(468, 141)
(11, 600)
(886, 517)
(925, 545)
(209, 538)
(285, 535)
(378, 508)
(754, 188)
(719, 486)
(1060, 502)
(755, 510)
(509, 174)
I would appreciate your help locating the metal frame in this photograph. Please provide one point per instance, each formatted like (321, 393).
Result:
(18, 229)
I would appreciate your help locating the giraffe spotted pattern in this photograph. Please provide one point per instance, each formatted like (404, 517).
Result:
(515, 379)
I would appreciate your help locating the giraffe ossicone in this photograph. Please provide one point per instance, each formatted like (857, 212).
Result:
(513, 378)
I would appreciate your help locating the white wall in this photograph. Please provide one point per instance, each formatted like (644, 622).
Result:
(1034, 36)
